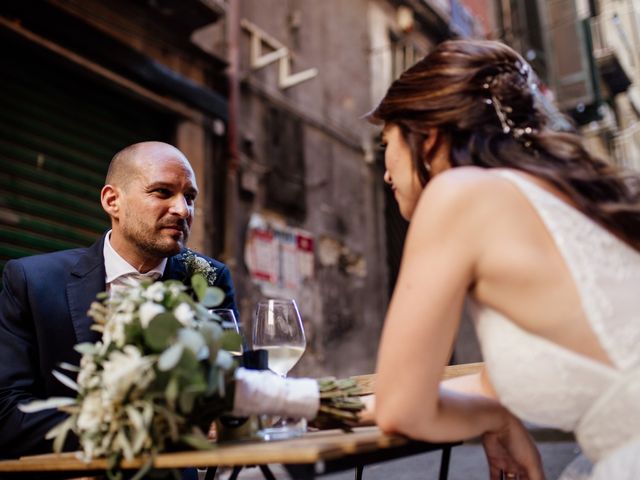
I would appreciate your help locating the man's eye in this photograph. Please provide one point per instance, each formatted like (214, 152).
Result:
(163, 192)
(382, 145)
(190, 197)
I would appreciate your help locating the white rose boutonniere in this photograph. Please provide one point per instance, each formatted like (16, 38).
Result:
(201, 266)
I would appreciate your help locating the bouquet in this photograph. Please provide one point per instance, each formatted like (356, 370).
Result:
(162, 372)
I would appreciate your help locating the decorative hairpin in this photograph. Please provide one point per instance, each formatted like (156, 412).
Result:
(503, 111)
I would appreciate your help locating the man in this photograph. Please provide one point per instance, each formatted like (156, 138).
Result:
(149, 195)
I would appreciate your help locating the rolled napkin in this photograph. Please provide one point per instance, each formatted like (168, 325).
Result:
(264, 392)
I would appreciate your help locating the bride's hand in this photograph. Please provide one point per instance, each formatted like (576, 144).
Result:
(512, 454)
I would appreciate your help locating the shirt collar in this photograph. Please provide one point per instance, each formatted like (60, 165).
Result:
(115, 266)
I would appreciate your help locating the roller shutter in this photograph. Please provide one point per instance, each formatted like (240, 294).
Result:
(59, 128)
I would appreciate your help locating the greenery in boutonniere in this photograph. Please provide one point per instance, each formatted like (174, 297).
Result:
(196, 265)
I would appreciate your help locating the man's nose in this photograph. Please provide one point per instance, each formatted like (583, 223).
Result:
(387, 177)
(181, 207)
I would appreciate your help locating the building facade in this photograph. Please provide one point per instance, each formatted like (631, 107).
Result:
(266, 99)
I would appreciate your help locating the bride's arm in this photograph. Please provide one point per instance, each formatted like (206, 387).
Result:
(449, 233)
(443, 247)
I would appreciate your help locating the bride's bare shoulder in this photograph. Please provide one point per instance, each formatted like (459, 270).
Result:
(470, 189)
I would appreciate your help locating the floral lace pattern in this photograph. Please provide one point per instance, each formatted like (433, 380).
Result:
(568, 390)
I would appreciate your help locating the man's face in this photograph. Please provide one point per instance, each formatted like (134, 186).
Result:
(156, 205)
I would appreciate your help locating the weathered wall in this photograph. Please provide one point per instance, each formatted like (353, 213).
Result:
(342, 306)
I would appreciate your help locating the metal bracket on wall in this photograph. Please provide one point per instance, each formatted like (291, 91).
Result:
(278, 52)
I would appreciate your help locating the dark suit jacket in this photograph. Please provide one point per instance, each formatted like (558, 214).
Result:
(43, 314)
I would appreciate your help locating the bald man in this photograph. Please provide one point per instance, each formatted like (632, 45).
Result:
(149, 195)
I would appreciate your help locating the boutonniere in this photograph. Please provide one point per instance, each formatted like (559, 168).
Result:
(197, 265)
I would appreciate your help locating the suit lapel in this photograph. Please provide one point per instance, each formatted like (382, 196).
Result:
(175, 269)
(87, 280)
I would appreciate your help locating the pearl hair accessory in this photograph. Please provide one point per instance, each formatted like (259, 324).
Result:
(519, 133)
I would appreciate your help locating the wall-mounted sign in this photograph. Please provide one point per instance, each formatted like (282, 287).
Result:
(279, 258)
(277, 52)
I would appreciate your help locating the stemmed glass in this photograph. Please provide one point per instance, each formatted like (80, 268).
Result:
(277, 328)
(229, 322)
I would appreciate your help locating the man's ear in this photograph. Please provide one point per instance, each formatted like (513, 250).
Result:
(430, 145)
(110, 199)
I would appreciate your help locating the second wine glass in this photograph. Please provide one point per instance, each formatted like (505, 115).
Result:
(277, 328)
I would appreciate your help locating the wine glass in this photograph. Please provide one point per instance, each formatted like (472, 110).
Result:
(228, 322)
(277, 328)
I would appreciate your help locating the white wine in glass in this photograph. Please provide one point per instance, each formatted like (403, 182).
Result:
(282, 359)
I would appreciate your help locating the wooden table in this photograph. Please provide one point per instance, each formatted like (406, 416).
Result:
(314, 454)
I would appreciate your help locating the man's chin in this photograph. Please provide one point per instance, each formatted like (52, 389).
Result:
(169, 247)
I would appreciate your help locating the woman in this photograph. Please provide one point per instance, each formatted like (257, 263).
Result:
(543, 238)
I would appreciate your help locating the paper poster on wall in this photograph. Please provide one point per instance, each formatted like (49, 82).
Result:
(279, 258)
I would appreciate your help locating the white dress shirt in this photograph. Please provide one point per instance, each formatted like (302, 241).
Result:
(118, 270)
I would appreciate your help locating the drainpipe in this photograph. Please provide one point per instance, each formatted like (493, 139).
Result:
(233, 224)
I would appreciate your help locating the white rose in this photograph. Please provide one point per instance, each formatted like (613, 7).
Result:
(123, 370)
(91, 412)
(87, 370)
(148, 310)
(184, 313)
(155, 292)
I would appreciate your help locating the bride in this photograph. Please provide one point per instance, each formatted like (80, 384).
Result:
(545, 241)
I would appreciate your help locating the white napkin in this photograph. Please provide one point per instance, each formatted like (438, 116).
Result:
(264, 392)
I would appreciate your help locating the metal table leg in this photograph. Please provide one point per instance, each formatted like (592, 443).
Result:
(444, 463)
(359, 472)
(211, 473)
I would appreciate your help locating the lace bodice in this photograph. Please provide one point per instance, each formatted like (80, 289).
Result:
(545, 383)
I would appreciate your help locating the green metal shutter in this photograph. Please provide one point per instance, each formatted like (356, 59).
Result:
(59, 129)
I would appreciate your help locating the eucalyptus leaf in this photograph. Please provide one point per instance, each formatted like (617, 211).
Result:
(199, 285)
(171, 392)
(170, 357)
(186, 401)
(224, 360)
(197, 441)
(191, 339)
(212, 383)
(160, 331)
(85, 348)
(213, 297)
(140, 474)
(52, 402)
(66, 381)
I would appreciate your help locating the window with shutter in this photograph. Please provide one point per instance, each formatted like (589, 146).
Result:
(59, 129)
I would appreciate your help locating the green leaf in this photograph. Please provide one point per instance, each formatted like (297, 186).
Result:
(212, 384)
(188, 362)
(191, 339)
(140, 474)
(213, 297)
(212, 333)
(199, 285)
(186, 401)
(160, 331)
(224, 360)
(85, 348)
(171, 392)
(197, 441)
(231, 341)
(170, 357)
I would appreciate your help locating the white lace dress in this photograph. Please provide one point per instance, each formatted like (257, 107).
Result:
(544, 383)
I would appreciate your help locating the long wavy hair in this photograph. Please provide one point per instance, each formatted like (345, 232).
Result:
(481, 94)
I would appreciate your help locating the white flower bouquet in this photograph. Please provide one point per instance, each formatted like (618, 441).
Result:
(162, 372)
(159, 373)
